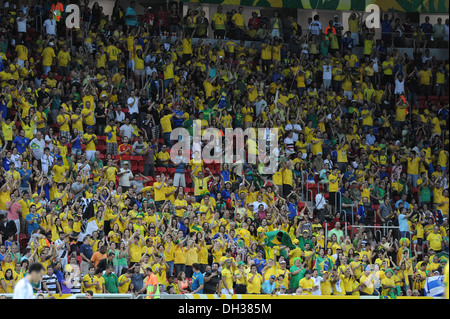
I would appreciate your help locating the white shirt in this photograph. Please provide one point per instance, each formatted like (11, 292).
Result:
(23, 289)
(124, 179)
(256, 205)
(120, 116)
(16, 160)
(37, 147)
(317, 283)
(134, 107)
(50, 26)
(446, 35)
(294, 128)
(327, 70)
(86, 169)
(320, 201)
(399, 87)
(22, 25)
(290, 145)
(425, 58)
(375, 65)
(62, 252)
(127, 130)
(315, 27)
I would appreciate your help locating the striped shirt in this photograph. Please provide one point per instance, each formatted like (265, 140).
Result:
(51, 282)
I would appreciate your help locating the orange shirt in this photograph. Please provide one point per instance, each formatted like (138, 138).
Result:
(152, 280)
(96, 257)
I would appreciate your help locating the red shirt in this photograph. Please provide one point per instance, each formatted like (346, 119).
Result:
(13, 211)
(327, 29)
(126, 156)
(255, 22)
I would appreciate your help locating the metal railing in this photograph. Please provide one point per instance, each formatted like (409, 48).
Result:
(160, 93)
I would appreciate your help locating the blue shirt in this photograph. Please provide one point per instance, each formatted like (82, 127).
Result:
(130, 21)
(5, 163)
(292, 209)
(370, 139)
(77, 143)
(403, 223)
(405, 204)
(268, 287)
(34, 222)
(27, 174)
(197, 281)
(386, 26)
(226, 194)
(21, 143)
(260, 263)
(361, 212)
(86, 250)
(225, 175)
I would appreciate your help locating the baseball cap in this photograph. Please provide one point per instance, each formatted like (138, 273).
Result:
(283, 262)
(273, 277)
(126, 163)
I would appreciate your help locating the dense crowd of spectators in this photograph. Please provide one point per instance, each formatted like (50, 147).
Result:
(359, 201)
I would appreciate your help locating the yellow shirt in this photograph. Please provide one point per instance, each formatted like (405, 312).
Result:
(113, 52)
(254, 287)
(64, 58)
(306, 284)
(91, 145)
(47, 56)
(238, 19)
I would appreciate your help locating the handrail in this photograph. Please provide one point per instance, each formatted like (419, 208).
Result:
(160, 92)
(177, 96)
(336, 202)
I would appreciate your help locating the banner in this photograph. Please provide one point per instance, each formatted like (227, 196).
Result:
(422, 6)
(434, 286)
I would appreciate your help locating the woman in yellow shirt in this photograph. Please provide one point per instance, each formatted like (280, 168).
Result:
(139, 67)
(180, 257)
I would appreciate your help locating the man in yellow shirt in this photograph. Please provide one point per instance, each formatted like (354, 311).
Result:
(90, 140)
(64, 60)
(306, 283)
(254, 281)
(239, 23)
(63, 121)
(435, 240)
(425, 81)
(413, 166)
(48, 55)
(113, 54)
(218, 23)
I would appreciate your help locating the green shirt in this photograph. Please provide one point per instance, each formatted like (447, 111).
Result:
(111, 283)
(295, 279)
(238, 119)
(302, 242)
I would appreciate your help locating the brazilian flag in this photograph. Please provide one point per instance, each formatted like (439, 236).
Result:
(443, 256)
(278, 238)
